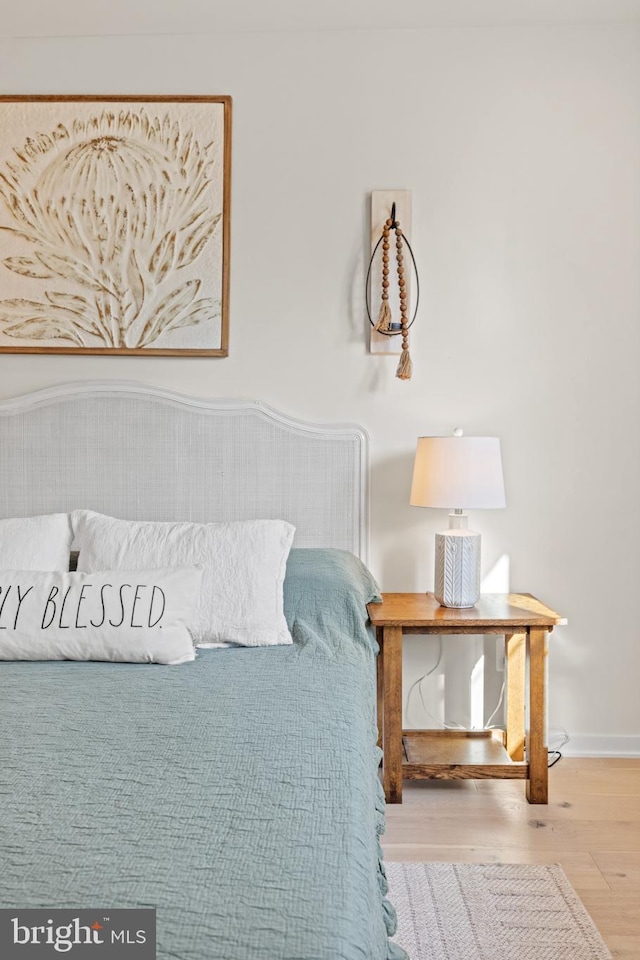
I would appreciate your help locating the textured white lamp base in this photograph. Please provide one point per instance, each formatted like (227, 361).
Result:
(457, 567)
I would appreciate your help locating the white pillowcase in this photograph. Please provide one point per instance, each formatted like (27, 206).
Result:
(244, 564)
(135, 616)
(36, 543)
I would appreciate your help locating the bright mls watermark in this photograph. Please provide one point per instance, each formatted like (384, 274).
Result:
(101, 934)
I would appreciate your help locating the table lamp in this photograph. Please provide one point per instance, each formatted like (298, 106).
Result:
(457, 473)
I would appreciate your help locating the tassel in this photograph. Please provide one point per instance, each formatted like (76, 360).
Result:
(405, 367)
(384, 317)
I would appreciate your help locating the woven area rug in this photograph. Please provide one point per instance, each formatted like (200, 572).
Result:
(497, 911)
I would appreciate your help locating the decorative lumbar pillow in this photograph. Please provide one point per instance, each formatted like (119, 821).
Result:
(36, 543)
(243, 563)
(135, 616)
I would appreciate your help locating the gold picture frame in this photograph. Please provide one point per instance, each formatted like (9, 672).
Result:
(115, 225)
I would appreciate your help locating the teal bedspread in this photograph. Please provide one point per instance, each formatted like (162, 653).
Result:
(237, 794)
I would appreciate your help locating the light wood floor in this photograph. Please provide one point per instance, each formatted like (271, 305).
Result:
(591, 827)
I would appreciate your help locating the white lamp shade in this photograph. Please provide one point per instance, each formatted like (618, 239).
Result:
(458, 473)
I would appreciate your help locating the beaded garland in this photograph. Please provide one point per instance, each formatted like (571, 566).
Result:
(383, 323)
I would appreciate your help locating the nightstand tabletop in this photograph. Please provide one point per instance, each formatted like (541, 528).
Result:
(492, 610)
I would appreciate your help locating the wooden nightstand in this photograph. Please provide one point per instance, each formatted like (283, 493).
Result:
(452, 754)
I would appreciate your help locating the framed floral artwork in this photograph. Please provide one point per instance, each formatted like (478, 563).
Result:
(114, 225)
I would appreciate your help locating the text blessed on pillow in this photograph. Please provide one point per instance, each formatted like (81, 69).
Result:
(135, 616)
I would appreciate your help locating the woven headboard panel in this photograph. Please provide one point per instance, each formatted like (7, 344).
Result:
(141, 452)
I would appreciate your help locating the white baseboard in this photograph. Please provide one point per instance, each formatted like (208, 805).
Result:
(596, 745)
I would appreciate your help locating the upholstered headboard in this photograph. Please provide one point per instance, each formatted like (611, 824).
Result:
(140, 452)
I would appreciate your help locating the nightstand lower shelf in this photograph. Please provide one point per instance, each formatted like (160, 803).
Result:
(458, 755)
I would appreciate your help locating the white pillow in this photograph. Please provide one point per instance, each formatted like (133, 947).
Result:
(36, 543)
(243, 562)
(135, 616)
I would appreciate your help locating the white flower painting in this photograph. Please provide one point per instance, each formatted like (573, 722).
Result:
(114, 225)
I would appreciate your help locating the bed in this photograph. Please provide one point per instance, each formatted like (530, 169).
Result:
(237, 794)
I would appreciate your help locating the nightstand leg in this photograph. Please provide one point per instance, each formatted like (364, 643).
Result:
(392, 712)
(536, 750)
(515, 655)
(379, 683)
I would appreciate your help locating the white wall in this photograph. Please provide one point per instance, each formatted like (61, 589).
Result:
(522, 148)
